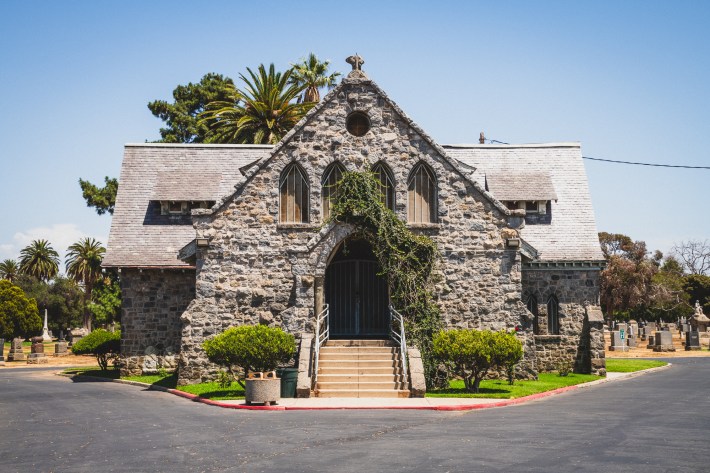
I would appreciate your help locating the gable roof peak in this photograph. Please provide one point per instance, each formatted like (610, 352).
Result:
(356, 62)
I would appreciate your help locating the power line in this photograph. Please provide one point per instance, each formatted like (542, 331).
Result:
(625, 162)
(647, 164)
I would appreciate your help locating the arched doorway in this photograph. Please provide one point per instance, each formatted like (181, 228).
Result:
(357, 297)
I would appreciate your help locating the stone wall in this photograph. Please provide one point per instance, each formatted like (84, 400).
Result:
(150, 317)
(257, 270)
(578, 341)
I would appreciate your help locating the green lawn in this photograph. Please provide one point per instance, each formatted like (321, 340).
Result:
(499, 389)
(93, 371)
(628, 365)
(213, 391)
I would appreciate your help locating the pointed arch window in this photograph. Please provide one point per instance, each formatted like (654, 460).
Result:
(329, 189)
(383, 174)
(531, 304)
(553, 316)
(421, 195)
(294, 195)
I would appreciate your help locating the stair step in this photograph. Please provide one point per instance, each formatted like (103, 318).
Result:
(359, 364)
(355, 377)
(364, 350)
(400, 393)
(356, 385)
(359, 343)
(360, 371)
(357, 356)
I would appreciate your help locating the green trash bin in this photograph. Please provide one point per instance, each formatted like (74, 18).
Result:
(289, 379)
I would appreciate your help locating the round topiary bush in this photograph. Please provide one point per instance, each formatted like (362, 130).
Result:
(250, 348)
(104, 345)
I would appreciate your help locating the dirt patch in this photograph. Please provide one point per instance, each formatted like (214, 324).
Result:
(642, 352)
(68, 360)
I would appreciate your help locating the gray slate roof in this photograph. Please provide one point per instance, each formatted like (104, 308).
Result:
(157, 171)
(520, 186)
(152, 172)
(572, 235)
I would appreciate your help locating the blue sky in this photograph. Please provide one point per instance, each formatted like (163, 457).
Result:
(629, 79)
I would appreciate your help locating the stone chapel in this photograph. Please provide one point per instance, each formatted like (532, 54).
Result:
(206, 237)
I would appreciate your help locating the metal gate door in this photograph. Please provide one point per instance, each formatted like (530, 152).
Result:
(358, 300)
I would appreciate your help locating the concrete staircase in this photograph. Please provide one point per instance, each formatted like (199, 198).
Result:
(360, 368)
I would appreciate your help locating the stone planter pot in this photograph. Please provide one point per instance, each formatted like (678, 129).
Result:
(262, 389)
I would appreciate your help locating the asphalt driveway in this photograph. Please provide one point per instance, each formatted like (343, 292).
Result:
(652, 423)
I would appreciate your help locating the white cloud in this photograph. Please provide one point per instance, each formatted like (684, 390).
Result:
(59, 235)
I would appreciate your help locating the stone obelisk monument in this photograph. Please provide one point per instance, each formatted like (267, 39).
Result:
(45, 329)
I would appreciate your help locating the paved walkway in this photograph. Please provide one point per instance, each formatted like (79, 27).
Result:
(428, 403)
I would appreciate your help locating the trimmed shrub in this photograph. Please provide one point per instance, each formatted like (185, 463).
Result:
(104, 345)
(250, 348)
(470, 353)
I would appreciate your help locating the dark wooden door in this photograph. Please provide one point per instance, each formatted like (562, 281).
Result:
(358, 300)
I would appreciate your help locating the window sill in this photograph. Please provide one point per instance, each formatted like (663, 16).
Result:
(297, 226)
(424, 226)
(548, 338)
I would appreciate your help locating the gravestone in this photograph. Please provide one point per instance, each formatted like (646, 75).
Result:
(664, 341)
(618, 341)
(2, 352)
(37, 351)
(60, 348)
(692, 341)
(16, 353)
(651, 339)
(77, 334)
(45, 330)
(650, 327)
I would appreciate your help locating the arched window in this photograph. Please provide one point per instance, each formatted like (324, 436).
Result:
(421, 205)
(553, 316)
(531, 304)
(329, 190)
(384, 175)
(294, 194)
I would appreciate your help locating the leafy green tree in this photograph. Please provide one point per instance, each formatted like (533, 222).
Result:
(698, 288)
(104, 345)
(508, 351)
(105, 303)
(250, 348)
(103, 199)
(312, 74)
(181, 116)
(9, 269)
(472, 353)
(19, 316)
(262, 113)
(40, 260)
(62, 297)
(84, 266)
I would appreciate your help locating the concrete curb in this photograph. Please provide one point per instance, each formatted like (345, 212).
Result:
(460, 407)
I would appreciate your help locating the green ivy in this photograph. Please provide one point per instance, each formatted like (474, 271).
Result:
(406, 260)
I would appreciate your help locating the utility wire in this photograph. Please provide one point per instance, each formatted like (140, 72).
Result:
(625, 162)
(647, 164)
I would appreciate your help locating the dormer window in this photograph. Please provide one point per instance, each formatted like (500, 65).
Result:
(183, 207)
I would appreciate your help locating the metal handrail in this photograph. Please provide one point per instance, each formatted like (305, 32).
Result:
(401, 339)
(322, 336)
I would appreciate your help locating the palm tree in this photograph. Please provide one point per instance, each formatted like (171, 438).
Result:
(261, 113)
(84, 266)
(9, 269)
(313, 75)
(40, 260)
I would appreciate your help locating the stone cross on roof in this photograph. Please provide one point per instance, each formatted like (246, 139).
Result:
(355, 61)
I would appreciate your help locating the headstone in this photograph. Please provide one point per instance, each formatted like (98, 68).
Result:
(45, 330)
(16, 353)
(651, 339)
(77, 334)
(664, 341)
(60, 348)
(2, 352)
(650, 327)
(692, 341)
(37, 351)
(618, 341)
